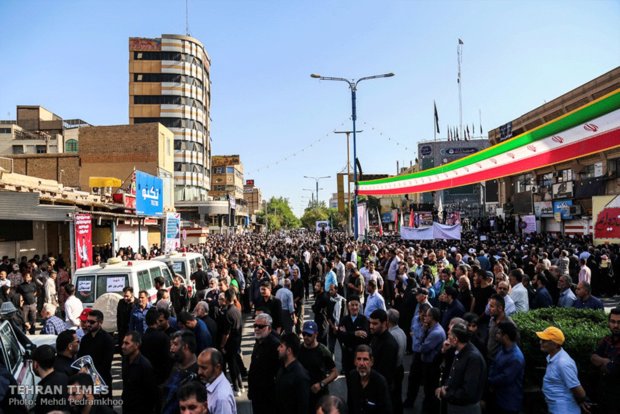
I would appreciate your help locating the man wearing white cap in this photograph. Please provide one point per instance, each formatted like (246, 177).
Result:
(563, 391)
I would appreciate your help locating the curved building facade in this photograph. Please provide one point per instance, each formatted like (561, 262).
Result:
(169, 83)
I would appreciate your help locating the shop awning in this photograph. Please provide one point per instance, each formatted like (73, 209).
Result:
(25, 206)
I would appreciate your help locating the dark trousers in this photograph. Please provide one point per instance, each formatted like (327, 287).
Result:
(299, 312)
(29, 312)
(262, 406)
(232, 361)
(397, 390)
(431, 382)
(416, 376)
(331, 340)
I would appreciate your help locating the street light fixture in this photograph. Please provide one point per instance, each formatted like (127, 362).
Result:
(316, 180)
(353, 86)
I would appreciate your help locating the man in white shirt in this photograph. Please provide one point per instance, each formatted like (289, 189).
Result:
(401, 340)
(519, 292)
(585, 274)
(73, 308)
(340, 274)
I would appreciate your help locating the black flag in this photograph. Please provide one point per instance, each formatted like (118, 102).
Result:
(436, 117)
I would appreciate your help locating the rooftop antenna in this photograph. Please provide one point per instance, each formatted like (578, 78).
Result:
(187, 17)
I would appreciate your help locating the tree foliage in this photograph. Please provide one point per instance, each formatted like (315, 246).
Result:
(277, 215)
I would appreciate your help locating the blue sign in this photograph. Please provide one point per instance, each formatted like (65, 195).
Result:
(386, 217)
(563, 207)
(149, 195)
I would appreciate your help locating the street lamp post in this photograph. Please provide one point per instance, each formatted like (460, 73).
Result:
(311, 193)
(353, 86)
(348, 181)
(316, 180)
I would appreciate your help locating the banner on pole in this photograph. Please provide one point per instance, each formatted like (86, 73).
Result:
(83, 240)
(362, 218)
(173, 232)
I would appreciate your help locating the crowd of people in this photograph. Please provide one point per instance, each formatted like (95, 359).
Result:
(444, 305)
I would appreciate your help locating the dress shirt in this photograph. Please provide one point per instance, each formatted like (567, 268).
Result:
(567, 298)
(330, 279)
(220, 397)
(431, 345)
(401, 340)
(286, 297)
(520, 297)
(585, 274)
(560, 378)
(73, 310)
(506, 377)
(590, 303)
(374, 301)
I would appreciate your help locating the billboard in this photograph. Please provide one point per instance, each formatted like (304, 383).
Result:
(562, 207)
(83, 224)
(173, 232)
(149, 195)
(605, 213)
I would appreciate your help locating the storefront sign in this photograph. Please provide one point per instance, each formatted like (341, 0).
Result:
(543, 209)
(563, 190)
(173, 232)
(83, 224)
(149, 195)
(563, 207)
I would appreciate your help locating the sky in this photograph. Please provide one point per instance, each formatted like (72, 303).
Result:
(72, 58)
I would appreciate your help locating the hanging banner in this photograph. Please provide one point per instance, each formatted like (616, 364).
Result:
(530, 223)
(437, 231)
(83, 240)
(149, 194)
(362, 218)
(605, 217)
(322, 225)
(589, 129)
(173, 232)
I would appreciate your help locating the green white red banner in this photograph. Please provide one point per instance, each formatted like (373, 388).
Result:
(587, 130)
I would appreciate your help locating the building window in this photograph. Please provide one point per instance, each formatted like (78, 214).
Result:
(565, 175)
(546, 180)
(5, 130)
(71, 145)
(524, 182)
(230, 170)
(18, 149)
(41, 149)
(587, 172)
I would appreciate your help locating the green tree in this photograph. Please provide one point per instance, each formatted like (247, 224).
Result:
(277, 214)
(313, 214)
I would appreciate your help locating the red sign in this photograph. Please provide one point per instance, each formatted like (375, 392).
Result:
(83, 240)
(249, 182)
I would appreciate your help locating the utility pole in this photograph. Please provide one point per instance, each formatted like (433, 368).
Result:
(348, 179)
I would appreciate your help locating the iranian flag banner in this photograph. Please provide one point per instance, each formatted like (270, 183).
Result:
(587, 130)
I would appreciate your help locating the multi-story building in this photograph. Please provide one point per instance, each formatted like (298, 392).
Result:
(252, 196)
(227, 177)
(39, 131)
(169, 83)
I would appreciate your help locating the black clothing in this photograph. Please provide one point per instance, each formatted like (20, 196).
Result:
(123, 314)
(385, 354)
(139, 387)
(319, 308)
(178, 298)
(482, 295)
(54, 400)
(348, 340)
(262, 374)
(63, 364)
(201, 279)
(156, 348)
(374, 398)
(28, 292)
(466, 382)
(212, 326)
(318, 362)
(101, 350)
(273, 306)
(292, 389)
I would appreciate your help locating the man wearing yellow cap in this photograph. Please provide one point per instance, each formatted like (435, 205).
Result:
(561, 376)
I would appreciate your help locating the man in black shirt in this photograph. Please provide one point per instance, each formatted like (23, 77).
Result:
(28, 290)
(178, 295)
(353, 331)
(139, 387)
(99, 345)
(319, 308)
(183, 352)
(156, 347)
(264, 366)
(201, 281)
(292, 382)
(466, 382)
(47, 398)
(271, 305)
(297, 287)
(367, 390)
(67, 345)
(231, 339)
(123, 313)
(319, 363)
(384, 346)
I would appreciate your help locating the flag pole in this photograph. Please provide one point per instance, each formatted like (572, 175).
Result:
(459, 55)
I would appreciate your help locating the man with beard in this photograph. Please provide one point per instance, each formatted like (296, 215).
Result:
(123, 313)
(81, 396)
(607, 359)
(99, 345)
(271, 305)
(319, 308)
(183, 353)
(155, 347)
(67, 345)
(220, 396)
(139, 387)
(292, 381)
(336, 308)
(263, 366)
(367, 390)
(352, 332)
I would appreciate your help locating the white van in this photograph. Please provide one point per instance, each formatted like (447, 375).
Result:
(101, 287)
(185, 264)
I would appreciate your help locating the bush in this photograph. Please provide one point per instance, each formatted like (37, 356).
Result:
(583, 330)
